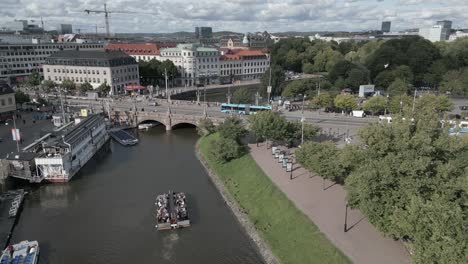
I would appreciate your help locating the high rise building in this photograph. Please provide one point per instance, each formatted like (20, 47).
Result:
(203, 32)
(386, 25)
(447, 25)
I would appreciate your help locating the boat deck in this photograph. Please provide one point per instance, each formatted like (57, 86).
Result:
(123, 137)
(10, 204)
(174, 215)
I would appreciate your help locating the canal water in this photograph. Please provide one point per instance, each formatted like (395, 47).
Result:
(106, 214)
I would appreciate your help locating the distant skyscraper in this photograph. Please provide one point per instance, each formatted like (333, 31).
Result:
(386, 25)
(447, 25)
(203, 32)
(434, 33)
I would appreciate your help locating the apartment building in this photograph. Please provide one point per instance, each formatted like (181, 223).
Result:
(243, 65)
(114, 68)
(141, 52)
(17, 61)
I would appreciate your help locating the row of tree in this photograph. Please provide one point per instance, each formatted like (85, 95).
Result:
(73, 88)
(263, 125)
(410, 178)
(153, 72)
(395, 65)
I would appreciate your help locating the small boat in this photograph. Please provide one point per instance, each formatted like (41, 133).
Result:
(124, 138)
(25, 252)
(146, 126)
(171, 211)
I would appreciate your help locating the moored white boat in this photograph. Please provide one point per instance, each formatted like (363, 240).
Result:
(24, 252)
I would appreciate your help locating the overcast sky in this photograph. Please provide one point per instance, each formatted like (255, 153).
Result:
(238, 15)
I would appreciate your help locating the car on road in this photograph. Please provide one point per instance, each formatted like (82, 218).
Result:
(152, 104)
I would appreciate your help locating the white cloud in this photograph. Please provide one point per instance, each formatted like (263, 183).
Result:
(239, 15)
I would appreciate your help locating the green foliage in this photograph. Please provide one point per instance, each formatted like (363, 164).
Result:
(323, 100)
(417, 53)
(33, 79)
(232, 128)
(411, 184)
(433, 103)
(278, 77)
(268, 125)
(299, 87)
(321, 158)
(398, 87)
(69, 85)
(293, 132)
(346, 102)
(85, 87)
(326, 59)
(455, 82)
(152, 72)
(308, 68)
(205, 127)
(21, 97)
(225, 149)
(242, 96)
(363, 53)
(375, 104)
(352, 74)
(399, 102)
(48, 85)
(104, 89)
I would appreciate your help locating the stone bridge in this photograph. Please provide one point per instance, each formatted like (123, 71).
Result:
(168, 119)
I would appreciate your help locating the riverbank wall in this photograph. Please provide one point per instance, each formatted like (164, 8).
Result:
(243, 219)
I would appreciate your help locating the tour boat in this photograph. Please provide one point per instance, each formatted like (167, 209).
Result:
(171, 211)
(25, 252)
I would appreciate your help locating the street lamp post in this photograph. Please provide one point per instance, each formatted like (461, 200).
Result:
(269, 82)
(302, 120)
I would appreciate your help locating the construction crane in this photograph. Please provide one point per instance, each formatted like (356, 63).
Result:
(106, 15)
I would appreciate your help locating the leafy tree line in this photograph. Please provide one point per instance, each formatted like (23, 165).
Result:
(410, 178)
(152, 72)
(396, 66)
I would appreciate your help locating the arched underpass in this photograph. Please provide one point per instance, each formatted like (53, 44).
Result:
(184, 125)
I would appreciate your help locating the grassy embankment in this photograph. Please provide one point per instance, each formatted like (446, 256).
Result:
(292, 237)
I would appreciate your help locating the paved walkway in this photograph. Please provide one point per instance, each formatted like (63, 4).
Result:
(363, 244)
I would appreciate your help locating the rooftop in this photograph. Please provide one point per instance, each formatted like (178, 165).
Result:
(88, 54)
(135, 49)
(5, 88)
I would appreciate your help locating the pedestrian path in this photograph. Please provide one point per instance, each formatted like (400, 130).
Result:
(362, 243)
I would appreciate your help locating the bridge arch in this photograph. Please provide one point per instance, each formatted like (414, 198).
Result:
(181, 124)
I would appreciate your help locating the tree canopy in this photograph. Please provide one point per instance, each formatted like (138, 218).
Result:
(242, 96)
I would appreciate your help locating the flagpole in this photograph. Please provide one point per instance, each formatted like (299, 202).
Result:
(16, 134)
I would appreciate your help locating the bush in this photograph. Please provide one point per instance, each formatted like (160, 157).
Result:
(232, 128)
(225, 149)
(205, 127)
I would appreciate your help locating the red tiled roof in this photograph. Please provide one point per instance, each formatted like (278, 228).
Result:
(249, 53)
(135, 49)
(230, 57)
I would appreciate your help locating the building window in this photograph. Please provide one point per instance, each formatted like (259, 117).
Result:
(104, 72)
(94, 80)
(10, 100)
(3, 102)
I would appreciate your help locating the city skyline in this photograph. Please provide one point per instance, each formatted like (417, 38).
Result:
(238, 15)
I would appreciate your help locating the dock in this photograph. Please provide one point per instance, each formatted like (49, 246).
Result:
(123, 137)
(10, 205)
(171, 211)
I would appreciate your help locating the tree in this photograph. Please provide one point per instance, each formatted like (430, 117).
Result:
(293, 132)
(232, 128)
(308, 68)
(85, 87)
(346, 102)
(48, 85)
(375, 104)
(21, 97)
(278, 78)
(268, 125)
(33, 79)
(326, 59)
(398, 87)
(455, 82)
(433, 103)
(225, 149)
(323, 100)
(298, 87)
(242, 96)
(399, 102)
(69, 85)
(205, 127)
(104, 88)
(321, 158)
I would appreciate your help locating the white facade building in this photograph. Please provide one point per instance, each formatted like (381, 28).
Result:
(115, 68)
(457, 35)
(7, 99)
(17, 61)
(196, 64)
(434, 33)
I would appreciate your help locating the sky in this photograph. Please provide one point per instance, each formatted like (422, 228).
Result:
(158, 16)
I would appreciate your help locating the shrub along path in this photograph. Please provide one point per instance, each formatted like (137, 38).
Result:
(292, 237)
(362, 243)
